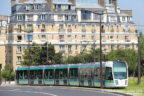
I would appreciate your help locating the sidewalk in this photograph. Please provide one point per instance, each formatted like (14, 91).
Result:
(7, 83)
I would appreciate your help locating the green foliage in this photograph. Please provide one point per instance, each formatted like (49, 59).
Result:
(130, 56)
(37, 55)
(8, 73)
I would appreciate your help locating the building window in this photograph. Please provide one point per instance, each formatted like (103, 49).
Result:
(19, 38)
(83, 37)
(83, 47)
(126, 29)
(76, 47)
(69, 48)
(19, 17)
(43, 36)
(61, 38)
(30, 17)
(69, 28)
(117, 28)
(30, 28)
(19, 49)
(111, 37)
(19, 28)
(86, 15)
(43, 17)
(123, 18)
(127, 46)
(27, 7)
(61, 48)
(111, 29)
(103, 47)
(36, 6)
(61, 28)
(92, 37)
(69, 38)
(18, 59)
(93, 28)
(60, 17)
(30, 37)
(96, 17)
(43, 27)
(83, 28)
(112, 47)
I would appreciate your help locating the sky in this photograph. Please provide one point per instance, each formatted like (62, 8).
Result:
(136, 5)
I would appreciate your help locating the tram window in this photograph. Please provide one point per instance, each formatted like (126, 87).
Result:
(39, 74)
(61, 74)
(86, 73)
(108, 75)
(17, 74)
(73, 73)
(21, 74)
(25, 75)
(49, 74)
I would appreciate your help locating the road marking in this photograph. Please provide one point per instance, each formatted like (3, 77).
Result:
(18, 90)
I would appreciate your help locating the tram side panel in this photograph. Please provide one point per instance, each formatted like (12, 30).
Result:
(73, 77)
(86, 76)
(49, 78)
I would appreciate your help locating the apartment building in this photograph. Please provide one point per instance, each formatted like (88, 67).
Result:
(70, 26)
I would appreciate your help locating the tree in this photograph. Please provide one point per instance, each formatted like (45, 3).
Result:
(38, 55)
(129, 55)
(8, 73)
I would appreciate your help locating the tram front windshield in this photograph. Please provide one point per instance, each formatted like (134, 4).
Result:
(120, 70)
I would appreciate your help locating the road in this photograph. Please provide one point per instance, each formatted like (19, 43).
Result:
(51, 91)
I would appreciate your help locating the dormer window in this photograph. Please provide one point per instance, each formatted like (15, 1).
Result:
(36, 6)
(123, 18)
(43, 17)
(27, 7)
(19, 17)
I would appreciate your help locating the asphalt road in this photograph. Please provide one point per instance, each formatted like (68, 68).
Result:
(51, 91)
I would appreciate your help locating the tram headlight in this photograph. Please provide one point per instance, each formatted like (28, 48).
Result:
(116, 81)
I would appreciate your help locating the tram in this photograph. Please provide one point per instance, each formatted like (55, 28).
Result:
(114, 74)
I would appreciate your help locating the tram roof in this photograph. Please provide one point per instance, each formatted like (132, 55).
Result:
(62, 66)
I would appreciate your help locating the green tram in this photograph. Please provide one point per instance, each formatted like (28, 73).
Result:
(115, 74)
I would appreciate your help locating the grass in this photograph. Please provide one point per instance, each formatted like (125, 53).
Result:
(133, 88)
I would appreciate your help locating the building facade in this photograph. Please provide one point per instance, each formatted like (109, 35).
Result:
(69, 26)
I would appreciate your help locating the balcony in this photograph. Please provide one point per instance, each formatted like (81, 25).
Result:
(62, 40)
(18, 63)
(61, 30)
(127, 40)
(69, 30)
(83, 30)
(43, 30)
(93, 30)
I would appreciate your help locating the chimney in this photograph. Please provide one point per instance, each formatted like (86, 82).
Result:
(73, 1)
(102, 3)
(22, 1)
(50, 3)
(114, 2)
(13, 3)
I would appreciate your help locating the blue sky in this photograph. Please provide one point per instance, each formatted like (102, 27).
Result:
(136, 5)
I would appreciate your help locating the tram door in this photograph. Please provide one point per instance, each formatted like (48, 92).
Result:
(97, 78)
(86, 76)
(36, 76)
(61, 76)
(17, 77)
